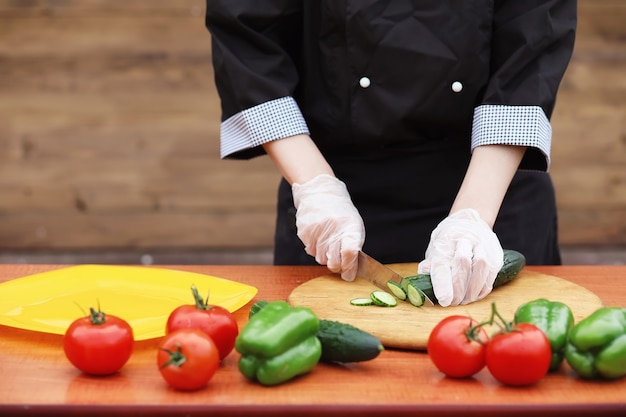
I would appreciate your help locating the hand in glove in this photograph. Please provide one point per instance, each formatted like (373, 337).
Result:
(328, 224)
(463, 258)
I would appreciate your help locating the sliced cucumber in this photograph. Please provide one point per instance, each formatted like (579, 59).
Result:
(397, 290)
(383, 299)
(404, 283)
(361, 301)
(415, 295)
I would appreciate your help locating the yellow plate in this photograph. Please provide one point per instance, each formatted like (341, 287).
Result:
(143, 296)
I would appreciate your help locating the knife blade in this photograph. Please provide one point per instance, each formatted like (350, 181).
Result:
(378, 274)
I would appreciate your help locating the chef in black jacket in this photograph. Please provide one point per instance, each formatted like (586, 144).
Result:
(424, 123)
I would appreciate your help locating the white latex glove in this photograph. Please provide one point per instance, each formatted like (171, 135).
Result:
(463, 258)
(328, 224)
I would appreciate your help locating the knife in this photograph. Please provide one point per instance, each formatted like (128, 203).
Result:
(378, 274)
(373, 271)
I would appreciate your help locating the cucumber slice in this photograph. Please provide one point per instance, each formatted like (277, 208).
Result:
(383, 298)
(361, 301)
(415, 295)
(396, 290)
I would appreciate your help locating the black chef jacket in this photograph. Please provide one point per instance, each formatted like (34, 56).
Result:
(396, 94)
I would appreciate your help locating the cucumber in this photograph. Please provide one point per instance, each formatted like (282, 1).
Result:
(344, 343)
(514, 261)
(341, 342)
(383, 298)
(256, 307)
(397, 290)
(421, 281)
(415, 295)
(361, 301)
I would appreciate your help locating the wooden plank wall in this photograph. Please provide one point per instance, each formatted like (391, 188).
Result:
(589, 130)
(109, 124)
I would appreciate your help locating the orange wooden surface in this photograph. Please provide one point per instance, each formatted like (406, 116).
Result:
(36, 378)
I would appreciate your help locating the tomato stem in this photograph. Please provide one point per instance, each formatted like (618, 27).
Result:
(176, 357)
(472, 331)
(200, 303)
(505, 326)
(97, 316)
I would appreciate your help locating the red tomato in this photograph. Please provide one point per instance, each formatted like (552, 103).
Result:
(188, 359)
(214, 320)
(457, 347)
(519, 356)
(99, 344)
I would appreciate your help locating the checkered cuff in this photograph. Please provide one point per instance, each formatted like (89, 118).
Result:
(260, 124)
(512, 125)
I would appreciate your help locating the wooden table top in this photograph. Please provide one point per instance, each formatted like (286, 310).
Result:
(37, 379)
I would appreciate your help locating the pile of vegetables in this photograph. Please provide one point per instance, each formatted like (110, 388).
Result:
(541, 335)
(281, 342)
(198, 336)
(278, 343)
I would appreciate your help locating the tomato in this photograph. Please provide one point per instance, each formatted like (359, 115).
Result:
(519, 355)
(188, 359)
(457, 346)
(99, 344)
(214, 320)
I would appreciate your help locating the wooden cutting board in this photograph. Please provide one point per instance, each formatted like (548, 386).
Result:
(408, 327)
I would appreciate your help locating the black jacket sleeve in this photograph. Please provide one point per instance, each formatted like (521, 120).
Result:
(254, 46)
(532, 44)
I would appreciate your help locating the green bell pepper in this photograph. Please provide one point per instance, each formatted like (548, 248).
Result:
(279, 343)
(554, 318)
(597, 344)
